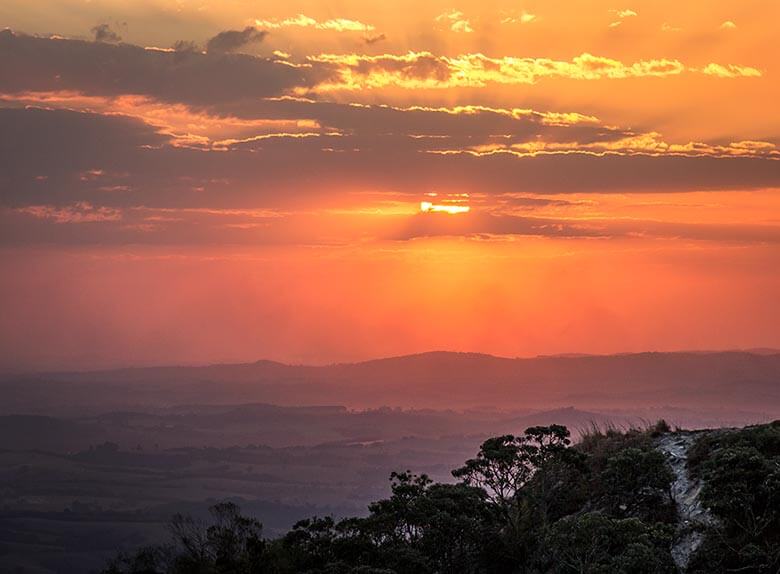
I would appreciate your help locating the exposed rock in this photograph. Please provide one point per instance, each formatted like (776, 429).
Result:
(693, 516)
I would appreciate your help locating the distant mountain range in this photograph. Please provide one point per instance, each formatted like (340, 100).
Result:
(440, 380)
(99, 460)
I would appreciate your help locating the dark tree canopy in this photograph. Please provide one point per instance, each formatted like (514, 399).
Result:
(527, 504)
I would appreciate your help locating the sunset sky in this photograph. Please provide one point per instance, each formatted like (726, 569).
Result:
(196, 181)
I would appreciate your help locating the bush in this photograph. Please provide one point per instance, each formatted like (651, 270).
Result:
(741, 475)
(529, 503)
(637, 482)
(594, 543)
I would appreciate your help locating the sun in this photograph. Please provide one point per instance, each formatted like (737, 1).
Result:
(430, 207)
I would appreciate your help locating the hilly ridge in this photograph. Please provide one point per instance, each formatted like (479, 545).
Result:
(431, 380)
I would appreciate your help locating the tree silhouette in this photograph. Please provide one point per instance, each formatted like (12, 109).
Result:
(530, 504)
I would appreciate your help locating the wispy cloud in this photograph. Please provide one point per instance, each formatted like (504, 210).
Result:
(456, 21)
(104, 33)
(651, 143)
(731, 71)
(666, 27)
(303, 21)
(622, 15)
(522, 18)
(234, 40)
(80, 212)
(370, 40)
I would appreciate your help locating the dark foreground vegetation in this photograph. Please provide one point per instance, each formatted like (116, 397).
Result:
(741, 476)
(526, 504)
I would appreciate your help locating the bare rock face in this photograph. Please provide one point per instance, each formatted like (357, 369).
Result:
(693, 516)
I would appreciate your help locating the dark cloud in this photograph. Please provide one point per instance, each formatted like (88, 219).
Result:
(83, 178)
(104, 33)
(530, 202)
(240, 85)
(43, 153)
(423, 67)
(426, 128)
(235, 84)
(87, 223)
(490, 224)
(185, 46)
(281, 171)
(59, 166)
(29, 63)
(370, 40)
(233, 40)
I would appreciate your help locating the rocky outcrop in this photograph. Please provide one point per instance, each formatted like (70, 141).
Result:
(693, 516)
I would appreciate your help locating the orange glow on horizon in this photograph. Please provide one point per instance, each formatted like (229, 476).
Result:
(607, 178)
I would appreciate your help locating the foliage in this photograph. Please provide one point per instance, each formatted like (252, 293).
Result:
(230, 544)
(594, 543)
(741, 475)
(524, 504)
(635, 482)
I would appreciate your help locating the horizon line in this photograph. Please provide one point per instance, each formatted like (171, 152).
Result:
(564, 355)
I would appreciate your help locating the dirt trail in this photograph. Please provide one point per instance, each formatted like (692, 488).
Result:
(685, 492)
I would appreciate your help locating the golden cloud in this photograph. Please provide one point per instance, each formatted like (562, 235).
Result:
(544, 118)
(666, 27)
(731, 71)
(303, 21)
(523, 18)
(621, 15)
(421, 70)
(456, 21)
(650, 143)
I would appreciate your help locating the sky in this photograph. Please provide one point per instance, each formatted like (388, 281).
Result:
(189, 182)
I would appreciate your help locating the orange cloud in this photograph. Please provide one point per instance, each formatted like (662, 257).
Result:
(622, 15)
(302, 21)
(731, 71)
(456, 21)
(184, 125)
(650, 143)
(421, 70)
(545, 118)
(522, 18)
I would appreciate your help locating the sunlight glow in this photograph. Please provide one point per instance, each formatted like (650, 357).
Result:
(428, 207)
